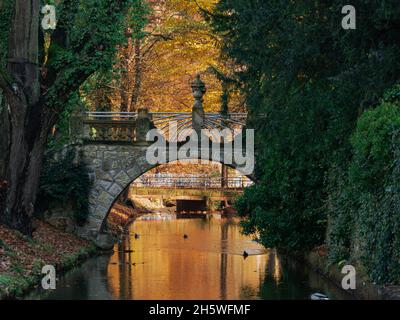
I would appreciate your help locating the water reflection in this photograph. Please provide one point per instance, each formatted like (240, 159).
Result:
(209, 264)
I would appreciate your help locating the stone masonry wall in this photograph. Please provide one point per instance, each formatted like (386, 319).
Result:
(112, 169)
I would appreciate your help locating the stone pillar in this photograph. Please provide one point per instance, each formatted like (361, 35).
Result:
(143, 125)
(198, 114)
(76, 125)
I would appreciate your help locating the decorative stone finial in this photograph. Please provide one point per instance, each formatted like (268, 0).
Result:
(198, 89)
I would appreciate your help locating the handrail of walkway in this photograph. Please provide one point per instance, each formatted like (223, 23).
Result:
(191, 181)
(110, 114)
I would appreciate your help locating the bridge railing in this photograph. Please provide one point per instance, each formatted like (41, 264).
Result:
(109, 130)
(117, 116)
(129, 127)
(134, 126)
(111, 126)
(191, 182)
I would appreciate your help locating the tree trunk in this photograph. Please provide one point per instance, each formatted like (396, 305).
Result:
(126, 81)
(28, 98)
(125, 63)
(4, 138)
(224, 176)
(138, 75)
(23, 175)
(27, 128)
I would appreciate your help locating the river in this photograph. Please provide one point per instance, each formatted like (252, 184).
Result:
(161, 263)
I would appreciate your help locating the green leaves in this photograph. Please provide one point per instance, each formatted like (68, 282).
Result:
(85, 41)
(307, 81)
(365, 202)
(63, 181)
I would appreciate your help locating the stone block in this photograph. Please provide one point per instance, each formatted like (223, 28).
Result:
(105, 199)
(134, 173)
(93, 227)
(104, 184)
(100, 213)
(97, 163)
(89, 148)
(115, 190)
(111, 155)
(123, 179)
(105, 176)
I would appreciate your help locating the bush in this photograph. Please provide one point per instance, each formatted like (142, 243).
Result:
(365, 211)
(275, 225)
(64, 181)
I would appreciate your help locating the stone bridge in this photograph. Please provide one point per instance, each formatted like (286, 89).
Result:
(115, 150)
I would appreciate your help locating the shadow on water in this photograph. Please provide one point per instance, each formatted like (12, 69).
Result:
(207, 264)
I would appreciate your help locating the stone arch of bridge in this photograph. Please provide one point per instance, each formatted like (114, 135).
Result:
(114, 168)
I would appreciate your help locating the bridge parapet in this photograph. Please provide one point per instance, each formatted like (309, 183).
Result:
(111, 126)
(132, 127)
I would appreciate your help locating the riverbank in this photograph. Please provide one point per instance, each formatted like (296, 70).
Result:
(317, 260)
(122, 215)
(22, 258)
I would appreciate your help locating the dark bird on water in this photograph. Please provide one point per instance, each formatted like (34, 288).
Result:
(245, 254)
(185, 236)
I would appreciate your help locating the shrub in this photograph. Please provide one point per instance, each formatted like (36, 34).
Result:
(65, 181)
(365, 211)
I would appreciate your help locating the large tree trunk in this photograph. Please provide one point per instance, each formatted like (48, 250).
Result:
(34, 105)
(27, 128)
(4, 137)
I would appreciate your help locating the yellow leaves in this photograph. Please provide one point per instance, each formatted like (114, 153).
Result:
(178, 44)
(172, 64)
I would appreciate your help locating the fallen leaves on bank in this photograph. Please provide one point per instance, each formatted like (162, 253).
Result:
(22, 258)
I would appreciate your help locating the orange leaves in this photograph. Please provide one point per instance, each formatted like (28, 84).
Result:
(48, 245)
(154, 69)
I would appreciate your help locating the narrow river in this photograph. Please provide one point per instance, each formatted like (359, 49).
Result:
(160, 263)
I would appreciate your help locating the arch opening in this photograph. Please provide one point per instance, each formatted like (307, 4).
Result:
(183, 188)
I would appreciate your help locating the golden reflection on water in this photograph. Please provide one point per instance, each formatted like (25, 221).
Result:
(161, 264)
